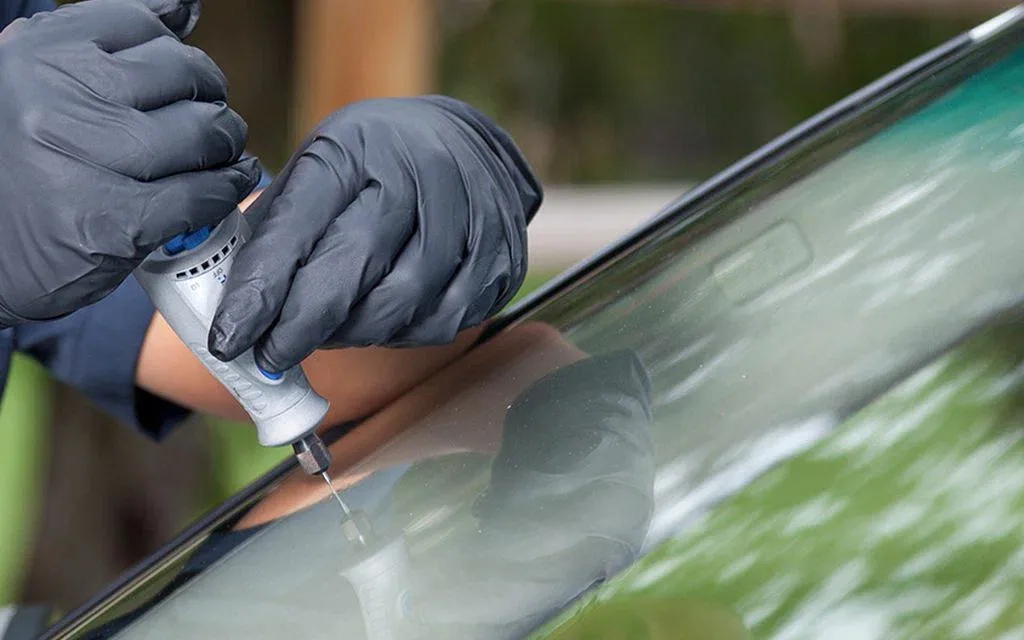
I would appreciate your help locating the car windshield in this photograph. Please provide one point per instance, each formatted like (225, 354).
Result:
(621, 412)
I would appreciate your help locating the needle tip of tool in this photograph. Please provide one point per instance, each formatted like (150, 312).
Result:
(354, 533)
(330, 485)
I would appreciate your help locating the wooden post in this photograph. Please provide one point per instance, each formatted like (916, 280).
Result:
(350, 50)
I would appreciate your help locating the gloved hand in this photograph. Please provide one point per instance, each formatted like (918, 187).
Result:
(115, 139)
(398, 222)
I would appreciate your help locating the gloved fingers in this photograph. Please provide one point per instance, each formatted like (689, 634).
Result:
(528, 187)
(180, 16)
(515, 244)
(267, 203)
(188, 201)
(505, 205)
(319, 183)
(190, 136)
(111, 25)
(351, 259)
(181, 137)
(486, 278)
(468, 299)
(424, 268)
(412, 286)
(325, 175)
(158, 73)
(287, 220)
(495, 229)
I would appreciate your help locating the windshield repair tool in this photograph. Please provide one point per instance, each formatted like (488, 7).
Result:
(185, 280)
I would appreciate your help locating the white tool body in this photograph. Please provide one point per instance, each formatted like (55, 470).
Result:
(185, 280)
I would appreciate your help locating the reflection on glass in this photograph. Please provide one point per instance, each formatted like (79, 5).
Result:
(556, 479)
(905, 523)
(653, 398)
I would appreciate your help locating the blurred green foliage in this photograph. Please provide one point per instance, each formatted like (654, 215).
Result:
(24, 413)
(598, 92)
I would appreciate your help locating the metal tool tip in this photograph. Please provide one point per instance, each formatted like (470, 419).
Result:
(312, 454)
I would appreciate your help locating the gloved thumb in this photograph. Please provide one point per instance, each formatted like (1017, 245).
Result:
(180, 16)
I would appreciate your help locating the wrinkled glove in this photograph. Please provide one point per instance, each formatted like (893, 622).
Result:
(115, 139)
(398, 222)
(569, 503)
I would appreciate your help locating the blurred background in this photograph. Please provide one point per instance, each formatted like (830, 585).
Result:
(620, 105)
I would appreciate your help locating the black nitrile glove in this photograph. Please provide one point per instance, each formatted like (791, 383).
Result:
(115, 138)
(569, 503)
(398, 222)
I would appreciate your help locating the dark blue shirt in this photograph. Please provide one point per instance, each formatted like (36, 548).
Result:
(96, 348)
(11, 10)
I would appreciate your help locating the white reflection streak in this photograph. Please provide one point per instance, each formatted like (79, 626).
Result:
(899, 200)
(691, 350)
(831, 607)
(1002, 385)
(694, 380)
(887, 270)
(924, 561)
(931, 272)
(958, 227)
(814, 514)
(770, 449)
(1005, 160)
(672, 476)
(779, 294)
(978, 619)
(880, 298)
(915, 384)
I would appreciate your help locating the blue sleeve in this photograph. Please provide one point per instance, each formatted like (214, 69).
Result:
(96, 350)
(11, 10)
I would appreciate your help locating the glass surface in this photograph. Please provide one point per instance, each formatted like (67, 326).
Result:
(616, 417)
(906, 523)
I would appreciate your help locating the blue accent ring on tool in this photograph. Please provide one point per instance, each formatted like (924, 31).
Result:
(187, 241)
(270, 375)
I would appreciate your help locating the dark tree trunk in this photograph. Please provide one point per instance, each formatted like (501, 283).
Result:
(111, 497)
